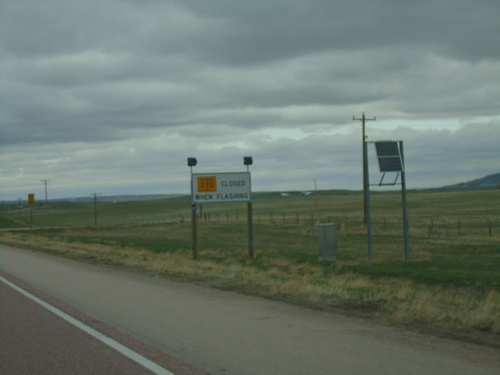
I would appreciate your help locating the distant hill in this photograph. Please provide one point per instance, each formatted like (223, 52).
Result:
(488, 182)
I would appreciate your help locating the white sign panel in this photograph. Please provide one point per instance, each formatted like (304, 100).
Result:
(221, 187)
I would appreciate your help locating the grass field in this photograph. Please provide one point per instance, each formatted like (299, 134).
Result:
(451, 283)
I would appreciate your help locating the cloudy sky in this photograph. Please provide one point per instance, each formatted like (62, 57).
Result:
(112, 96)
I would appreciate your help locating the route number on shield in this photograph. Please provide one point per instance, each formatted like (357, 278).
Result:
(207, 184)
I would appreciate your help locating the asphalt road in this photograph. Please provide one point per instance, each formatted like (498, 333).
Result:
(36, 341)
(227, 333)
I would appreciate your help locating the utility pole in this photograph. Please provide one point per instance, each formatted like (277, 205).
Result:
(95, 207)
(315, 193)
(363, 120)
(46, 203)
(45, 182)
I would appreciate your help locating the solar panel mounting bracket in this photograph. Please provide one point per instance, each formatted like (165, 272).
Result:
(381, 183)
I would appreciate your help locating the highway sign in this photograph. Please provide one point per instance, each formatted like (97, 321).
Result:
(221, 187)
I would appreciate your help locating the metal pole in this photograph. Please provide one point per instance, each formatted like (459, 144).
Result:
(194, 231)
(250, 229)
(367, 200)
(363, 140)
(194, 228)
(405, 210)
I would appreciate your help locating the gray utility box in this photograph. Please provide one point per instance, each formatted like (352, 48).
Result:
(327, 249)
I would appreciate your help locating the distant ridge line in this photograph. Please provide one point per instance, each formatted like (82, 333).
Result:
(491, 181)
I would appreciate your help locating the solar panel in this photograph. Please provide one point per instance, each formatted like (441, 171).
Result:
(389, 158)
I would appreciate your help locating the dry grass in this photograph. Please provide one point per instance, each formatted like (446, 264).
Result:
(395, 300)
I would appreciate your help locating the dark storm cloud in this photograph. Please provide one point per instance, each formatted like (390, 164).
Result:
(105, 87)
(259, 31)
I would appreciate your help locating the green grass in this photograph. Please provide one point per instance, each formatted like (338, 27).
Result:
(452, 281)
(10, 222)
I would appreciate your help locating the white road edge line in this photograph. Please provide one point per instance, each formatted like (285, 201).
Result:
(136, 357)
